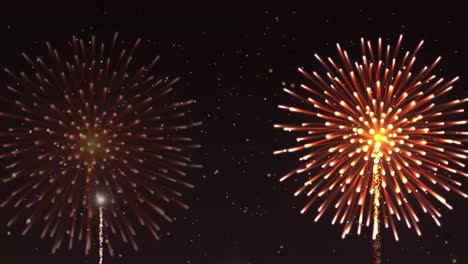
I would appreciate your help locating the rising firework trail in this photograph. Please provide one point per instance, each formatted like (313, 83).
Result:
(100, 199)
(380, 139)
(93, 123)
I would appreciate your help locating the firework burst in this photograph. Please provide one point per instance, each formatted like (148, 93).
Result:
(380, 142)
(89, 128)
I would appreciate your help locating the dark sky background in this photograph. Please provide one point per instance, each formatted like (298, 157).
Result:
(235, 63)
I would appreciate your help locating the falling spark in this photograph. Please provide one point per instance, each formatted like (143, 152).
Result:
(378, 114)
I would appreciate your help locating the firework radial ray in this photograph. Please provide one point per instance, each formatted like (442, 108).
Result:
(381, 139)
(93, 122)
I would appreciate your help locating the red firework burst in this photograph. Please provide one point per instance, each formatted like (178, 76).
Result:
(378, 132)
(93, 125)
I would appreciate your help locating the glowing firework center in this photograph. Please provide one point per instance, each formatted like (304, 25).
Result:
(88, 148)
(376, 134)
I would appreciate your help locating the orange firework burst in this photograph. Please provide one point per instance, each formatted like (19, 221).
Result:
(378, 142)
(93, 125)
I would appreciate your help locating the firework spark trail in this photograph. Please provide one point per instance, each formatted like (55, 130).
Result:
(381, 100)
(93, 119)
(376, 185)
(101, 236)
(377, 249)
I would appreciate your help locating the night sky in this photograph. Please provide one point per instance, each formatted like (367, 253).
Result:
(235, 64)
